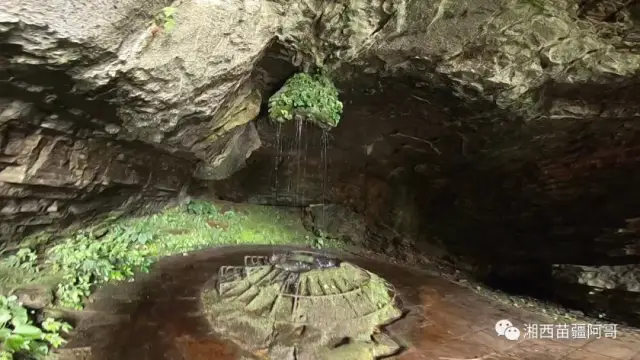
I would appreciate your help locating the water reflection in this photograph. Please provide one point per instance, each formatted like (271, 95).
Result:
(159, 316)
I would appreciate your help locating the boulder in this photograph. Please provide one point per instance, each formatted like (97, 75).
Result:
(35, 297)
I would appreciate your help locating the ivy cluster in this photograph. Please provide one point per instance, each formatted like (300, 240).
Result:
(313, 97)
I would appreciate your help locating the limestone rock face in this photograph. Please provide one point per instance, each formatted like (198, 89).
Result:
(34, 296)
(623, 277)
(111, 98)
(99, 107)
(183, 90)
(173, 90)
(53, 169)
(607, 289)
(511, 52)
(334, 221)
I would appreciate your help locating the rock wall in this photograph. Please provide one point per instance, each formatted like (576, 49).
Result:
(100, 108)
(557, 213)
(508, 52)
(178, 91)
(514, 202)
(53, 171)
(194, 91)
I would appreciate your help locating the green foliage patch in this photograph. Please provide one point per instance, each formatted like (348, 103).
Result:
(20, 336)
(118, 248)
(165, 19)
(25, 259)
(201, 208)
(84, 261)
(314, 97)
(322, 241)
(121, 247)
(22, 268)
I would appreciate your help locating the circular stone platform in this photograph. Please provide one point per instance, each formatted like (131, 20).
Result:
(302, 305)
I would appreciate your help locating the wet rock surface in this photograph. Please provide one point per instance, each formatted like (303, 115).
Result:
(623, 277)
(35, 297)
(502, 203)
(608, 289)
(335, 221)
(302, 312)
(51, 175)
(160, 315)
(184, 90)
(98, 111)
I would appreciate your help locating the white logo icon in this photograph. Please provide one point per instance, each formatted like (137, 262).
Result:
(503, 325)
(512, 333)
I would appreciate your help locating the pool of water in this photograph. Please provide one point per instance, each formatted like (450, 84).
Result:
(159, 315)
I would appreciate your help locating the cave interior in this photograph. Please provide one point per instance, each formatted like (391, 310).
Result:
(521, 205)
(524, 205)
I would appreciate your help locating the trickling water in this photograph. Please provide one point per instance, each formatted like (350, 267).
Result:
(290, 153)
(298, 145)
(325, 144)
(304, 158)
(278, 157)
(296, 149)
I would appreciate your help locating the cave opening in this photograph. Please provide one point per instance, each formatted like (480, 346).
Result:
(484, 168)
(540, 208)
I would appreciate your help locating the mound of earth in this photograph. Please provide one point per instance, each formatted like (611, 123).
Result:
(302, 305)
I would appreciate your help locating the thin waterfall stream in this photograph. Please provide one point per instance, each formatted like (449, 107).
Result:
(278, 158)
(325, 145)
(298, 144)
(305, 153)
(297, 153)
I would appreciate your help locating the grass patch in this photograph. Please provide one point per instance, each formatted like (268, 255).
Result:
(201, 225)
(117, 248)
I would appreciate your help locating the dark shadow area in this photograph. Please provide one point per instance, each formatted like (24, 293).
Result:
(498, 197)
(559, 192)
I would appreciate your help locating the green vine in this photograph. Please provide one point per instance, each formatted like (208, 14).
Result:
(312, 97)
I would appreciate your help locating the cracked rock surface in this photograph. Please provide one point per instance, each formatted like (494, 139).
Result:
(183, 91)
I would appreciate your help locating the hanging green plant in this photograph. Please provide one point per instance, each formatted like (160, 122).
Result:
(164, 20)
(311, 97)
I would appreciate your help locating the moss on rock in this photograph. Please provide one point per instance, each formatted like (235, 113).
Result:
(264, 307)
(312, 97)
